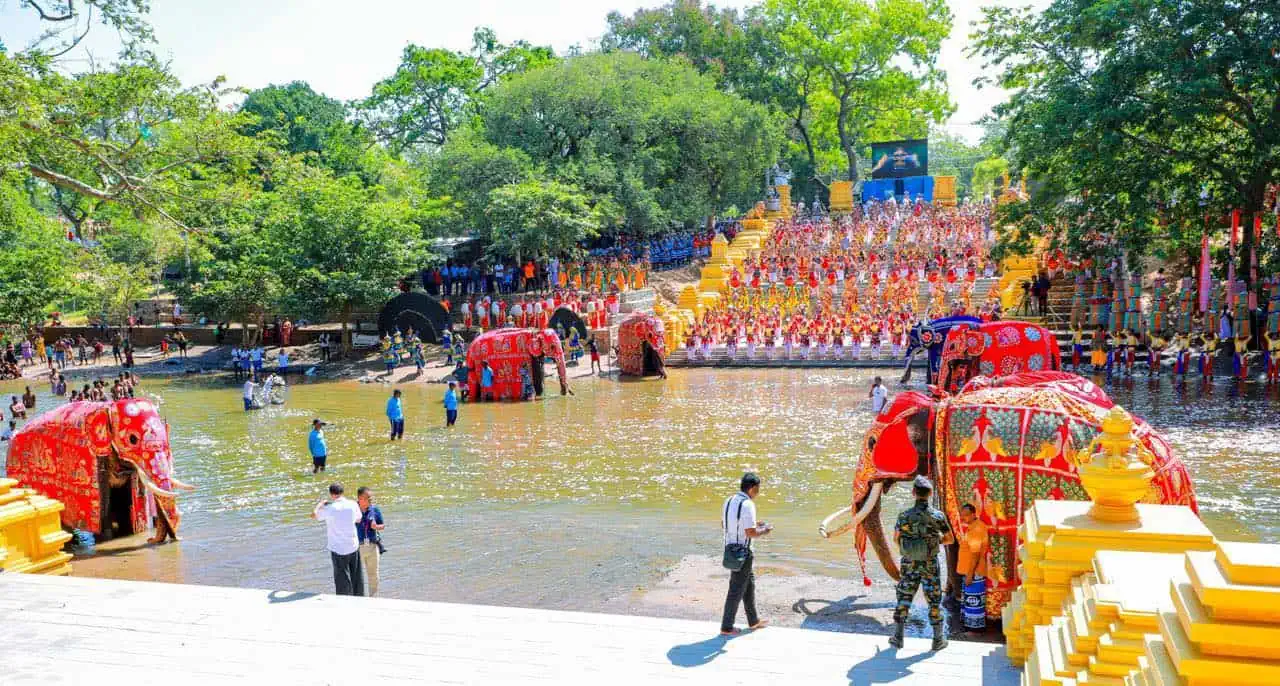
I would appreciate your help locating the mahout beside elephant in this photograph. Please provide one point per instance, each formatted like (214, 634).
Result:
(642, 345)
(999, 444)
(506, 351)
(995, 349)
(103, 460)
(929, 337)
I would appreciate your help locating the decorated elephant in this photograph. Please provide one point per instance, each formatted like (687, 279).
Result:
(999, 444)
(108, 462)
(507, 351)
(995, 349)
(929, 337)
(642, 345)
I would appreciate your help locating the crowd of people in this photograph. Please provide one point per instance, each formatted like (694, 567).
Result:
(830, 288)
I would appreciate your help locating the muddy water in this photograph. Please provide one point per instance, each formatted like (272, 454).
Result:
(568, 502)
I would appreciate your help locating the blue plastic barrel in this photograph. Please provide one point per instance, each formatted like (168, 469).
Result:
(974, 611)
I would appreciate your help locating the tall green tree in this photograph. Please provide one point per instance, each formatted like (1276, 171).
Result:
(656, 138)
(302, 117)
(1129, 111)
(877, 60)
(342, 245)
(427, 98)
(113, 136)
(37, 264)
(540, 219)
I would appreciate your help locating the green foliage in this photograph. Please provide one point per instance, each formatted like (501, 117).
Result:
(467, 169)
(540, 219)
(876, 60)
(987, 175)
(36, 265)
(67, 22)
(655, 137)
(302, 117)
(426, 99)
(1126, 109)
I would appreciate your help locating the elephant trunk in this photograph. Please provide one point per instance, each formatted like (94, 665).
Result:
(875, 535)
(911, 356)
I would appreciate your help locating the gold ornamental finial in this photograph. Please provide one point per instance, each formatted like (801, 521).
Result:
(1115, 469)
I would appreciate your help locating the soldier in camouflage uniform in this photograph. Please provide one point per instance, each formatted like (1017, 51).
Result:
(918, 533)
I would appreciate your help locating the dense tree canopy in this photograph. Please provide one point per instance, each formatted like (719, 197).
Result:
(1140, 118)
(655, 138)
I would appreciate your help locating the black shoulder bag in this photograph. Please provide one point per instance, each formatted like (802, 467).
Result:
(735, 554)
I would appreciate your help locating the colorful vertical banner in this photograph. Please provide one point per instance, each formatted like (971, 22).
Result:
(1235, 229)
(1204, 273)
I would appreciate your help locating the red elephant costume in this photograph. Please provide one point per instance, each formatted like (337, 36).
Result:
(996, 349)
(1002, 444)
(636, 329)
(506, 350)
(73, 452)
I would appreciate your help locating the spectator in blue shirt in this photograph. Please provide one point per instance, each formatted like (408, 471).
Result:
(486, 382)
(395, 413)
(319, 449)
(369, 532)
(451, 404)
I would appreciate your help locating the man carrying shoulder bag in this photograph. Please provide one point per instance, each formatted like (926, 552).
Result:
(740, 526)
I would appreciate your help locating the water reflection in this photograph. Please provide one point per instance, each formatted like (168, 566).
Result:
(569, 501)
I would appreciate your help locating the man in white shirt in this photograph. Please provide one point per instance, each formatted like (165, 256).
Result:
(340, 517)
(249, 385)
(879, 396)
(740, 527)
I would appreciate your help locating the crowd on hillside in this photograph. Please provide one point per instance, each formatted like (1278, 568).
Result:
(824, 287)
(615, 263)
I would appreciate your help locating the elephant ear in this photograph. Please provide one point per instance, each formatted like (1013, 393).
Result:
(893, 453)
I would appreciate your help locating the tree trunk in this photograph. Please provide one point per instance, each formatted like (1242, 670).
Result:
(346, 332)
(851, 155)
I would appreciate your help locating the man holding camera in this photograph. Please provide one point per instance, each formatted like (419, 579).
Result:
(341, 518)
(370, 534)
(740, 528)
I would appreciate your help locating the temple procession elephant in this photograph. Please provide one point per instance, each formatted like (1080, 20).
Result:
(995, 349)
(929, 337)
(642, 345)
(506, 351)
(999, 444)
(108, 462)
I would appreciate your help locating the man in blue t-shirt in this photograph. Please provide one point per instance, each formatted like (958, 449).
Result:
(395, 413)
(486, 381)
(369, 530)
(316, 444)
(451, 404)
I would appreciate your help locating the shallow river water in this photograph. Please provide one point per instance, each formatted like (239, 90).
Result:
(568, 502)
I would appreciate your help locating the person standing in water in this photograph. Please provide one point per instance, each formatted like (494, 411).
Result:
(317, 446)
(451, 404)
(395, 413)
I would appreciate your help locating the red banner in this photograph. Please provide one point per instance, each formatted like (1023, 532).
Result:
(1204, 273)
(1235, 229)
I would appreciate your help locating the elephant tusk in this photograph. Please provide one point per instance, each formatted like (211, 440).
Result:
(869, 504)
(155, 490)
(822, 528)
(181, 485)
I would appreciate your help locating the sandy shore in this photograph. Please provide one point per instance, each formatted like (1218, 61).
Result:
(695, 588)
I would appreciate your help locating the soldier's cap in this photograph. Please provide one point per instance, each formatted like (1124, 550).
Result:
(923, 483)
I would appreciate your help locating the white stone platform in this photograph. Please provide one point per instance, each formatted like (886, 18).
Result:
(82, 631)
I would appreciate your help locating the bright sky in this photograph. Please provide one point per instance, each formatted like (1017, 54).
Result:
(341, 48)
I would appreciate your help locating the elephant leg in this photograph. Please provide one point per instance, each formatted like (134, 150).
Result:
(163, 530)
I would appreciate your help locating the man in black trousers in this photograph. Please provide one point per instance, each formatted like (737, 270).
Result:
(740, 527)
(340, 517)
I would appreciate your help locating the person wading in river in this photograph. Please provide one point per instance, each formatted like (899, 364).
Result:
(740, 527)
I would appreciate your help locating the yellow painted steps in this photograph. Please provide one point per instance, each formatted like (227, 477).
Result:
(31, 535)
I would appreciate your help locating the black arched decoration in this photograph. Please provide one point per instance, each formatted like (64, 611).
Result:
(568, 319)
(418, 310)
